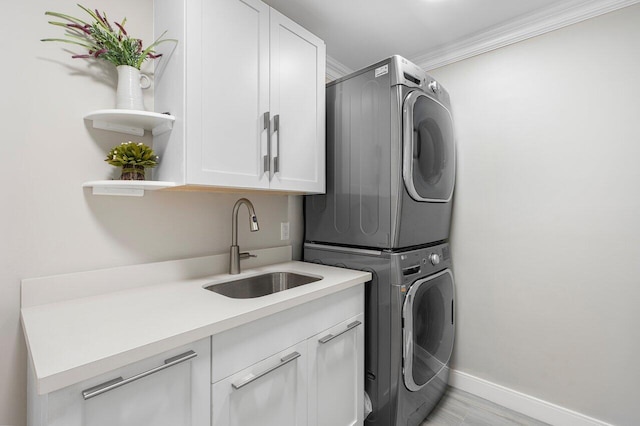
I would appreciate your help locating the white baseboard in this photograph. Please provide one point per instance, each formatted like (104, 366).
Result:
(528, 405)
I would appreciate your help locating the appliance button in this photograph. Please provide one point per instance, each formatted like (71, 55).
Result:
(434, 258)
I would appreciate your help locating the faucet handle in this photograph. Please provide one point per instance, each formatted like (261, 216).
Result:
(246, 255)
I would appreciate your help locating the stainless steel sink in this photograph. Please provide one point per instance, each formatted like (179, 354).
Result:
(261, 285)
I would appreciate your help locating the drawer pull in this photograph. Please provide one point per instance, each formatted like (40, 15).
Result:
(117, 382)
(276, 158)
(330, 337)
(267, 158)
(284, 360)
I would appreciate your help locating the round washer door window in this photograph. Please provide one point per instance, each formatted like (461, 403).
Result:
(428, 328)
(428, 149)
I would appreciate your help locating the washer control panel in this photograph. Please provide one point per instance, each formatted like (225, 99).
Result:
(423, 261)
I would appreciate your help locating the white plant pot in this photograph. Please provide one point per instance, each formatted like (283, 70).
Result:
(130, 85)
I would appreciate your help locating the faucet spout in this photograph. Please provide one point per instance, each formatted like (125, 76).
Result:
(235, 255)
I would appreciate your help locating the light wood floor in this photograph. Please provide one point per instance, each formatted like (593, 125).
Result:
(462, 408)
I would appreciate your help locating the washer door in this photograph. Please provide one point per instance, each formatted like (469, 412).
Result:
(428, 328)
(428, 149)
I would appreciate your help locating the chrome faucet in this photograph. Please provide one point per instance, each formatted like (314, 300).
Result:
(235, 255)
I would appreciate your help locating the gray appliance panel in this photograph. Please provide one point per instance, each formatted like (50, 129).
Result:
(356, 208)
(393, 275)
(366, 203)
(378, 374)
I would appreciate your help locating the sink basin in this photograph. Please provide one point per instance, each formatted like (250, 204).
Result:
(261, 285)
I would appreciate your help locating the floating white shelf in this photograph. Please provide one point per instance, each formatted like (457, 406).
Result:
(132, 188)
(131, 122)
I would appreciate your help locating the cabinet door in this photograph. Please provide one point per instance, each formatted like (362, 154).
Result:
(176, 394)
(228, 94)
(271, 392)
(297, 107)
(336, 375)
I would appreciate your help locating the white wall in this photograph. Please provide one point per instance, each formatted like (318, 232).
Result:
(546, 227)
(48, 224)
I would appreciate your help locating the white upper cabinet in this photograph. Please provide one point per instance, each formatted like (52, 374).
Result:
(229, 137)
(246, 85)
(297, 95)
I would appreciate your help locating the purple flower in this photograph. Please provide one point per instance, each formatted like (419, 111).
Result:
(103, 19)
(99, 16)
(104, 40)
(121, 28)
(80, 27)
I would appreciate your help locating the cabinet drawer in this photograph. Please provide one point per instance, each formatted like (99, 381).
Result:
(168, 389)
(271, 392)
(245, 345)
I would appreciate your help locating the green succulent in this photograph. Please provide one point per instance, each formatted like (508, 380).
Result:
(131, 153)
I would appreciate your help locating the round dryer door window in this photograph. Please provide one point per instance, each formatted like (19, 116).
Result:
(428, 328)
(428, 149)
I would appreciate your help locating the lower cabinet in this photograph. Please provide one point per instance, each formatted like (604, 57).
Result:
(300, 367)
(169, 389)
(268, 393)
(336, 375)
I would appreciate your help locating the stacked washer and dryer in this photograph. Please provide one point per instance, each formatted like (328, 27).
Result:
(387, 210)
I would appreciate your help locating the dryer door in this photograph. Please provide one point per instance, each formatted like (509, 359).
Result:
(428, 328)
(428, 149)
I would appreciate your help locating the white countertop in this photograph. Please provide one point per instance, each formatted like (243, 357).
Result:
(74, 340)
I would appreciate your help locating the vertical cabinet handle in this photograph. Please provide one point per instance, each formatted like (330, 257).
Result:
(330, 337)
(276, 128)
(284, 360)
(267, 158)
(117, 382)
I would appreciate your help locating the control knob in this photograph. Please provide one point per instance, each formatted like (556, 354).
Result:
(433, 86)
(434, 258)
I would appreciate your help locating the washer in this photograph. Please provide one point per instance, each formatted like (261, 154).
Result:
(409, 327)
(390, 160)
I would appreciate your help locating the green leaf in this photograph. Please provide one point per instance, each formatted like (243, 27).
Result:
(67, 17)
(67, 41)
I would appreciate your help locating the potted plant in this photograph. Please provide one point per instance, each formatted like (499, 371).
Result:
(111, 42)
(133, 158)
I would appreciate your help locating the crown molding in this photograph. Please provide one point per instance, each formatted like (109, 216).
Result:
(528, 26)
(525, 27)
(337, 69)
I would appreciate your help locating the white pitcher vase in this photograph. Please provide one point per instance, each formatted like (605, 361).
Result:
(130, 84)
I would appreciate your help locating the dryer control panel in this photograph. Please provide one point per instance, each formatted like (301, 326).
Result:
(408, 74)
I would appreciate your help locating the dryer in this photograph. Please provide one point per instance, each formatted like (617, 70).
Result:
(409, 327)
(390, 160)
